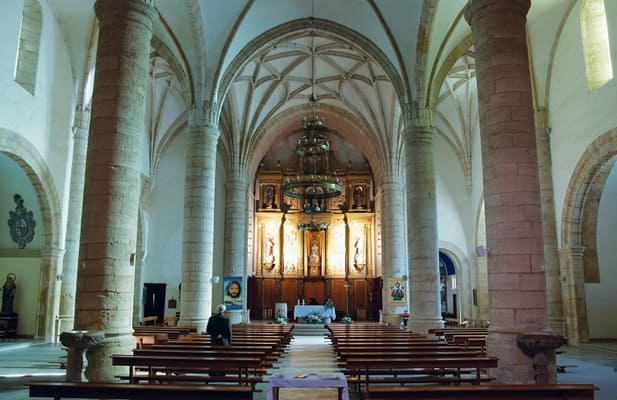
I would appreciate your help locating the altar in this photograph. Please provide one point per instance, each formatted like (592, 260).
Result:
(301, 311)
(310, 380)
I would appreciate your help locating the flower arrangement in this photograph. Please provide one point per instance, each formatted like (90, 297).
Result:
(329, 304)
(280, 318)
(314, 318)
(346, 319)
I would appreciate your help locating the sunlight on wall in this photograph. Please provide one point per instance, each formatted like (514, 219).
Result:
(29, 45)
(596, 47)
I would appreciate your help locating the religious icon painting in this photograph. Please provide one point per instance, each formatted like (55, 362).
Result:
(232, 289)
(397, 291)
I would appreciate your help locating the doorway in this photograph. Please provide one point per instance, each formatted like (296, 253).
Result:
(154, 300)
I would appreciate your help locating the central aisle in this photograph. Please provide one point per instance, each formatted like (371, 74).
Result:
(304, 355)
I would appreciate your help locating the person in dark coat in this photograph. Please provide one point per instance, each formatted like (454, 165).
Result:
(219, 327)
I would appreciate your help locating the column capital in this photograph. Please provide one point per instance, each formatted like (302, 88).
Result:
(480, 9)
(541, 118)
(572, 251)
(416, 115)
(52, 252)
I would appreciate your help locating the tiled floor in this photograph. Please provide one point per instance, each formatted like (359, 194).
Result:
(23, 361)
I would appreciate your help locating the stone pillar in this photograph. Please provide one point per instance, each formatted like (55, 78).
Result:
(425, 310)
(549, 224)
(49, 300)
(196, 293)
(112, 186)
(517, 287)
(482, 289)
(393, 245)
(73, 225)
(573, 292)
(236, 223)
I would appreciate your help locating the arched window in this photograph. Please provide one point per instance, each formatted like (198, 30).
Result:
(29, 45)
(596, 47)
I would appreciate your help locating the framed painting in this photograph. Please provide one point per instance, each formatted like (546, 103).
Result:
(232, 289)
(397, 291)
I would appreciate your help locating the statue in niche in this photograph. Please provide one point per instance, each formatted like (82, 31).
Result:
(8, 294)
(359, 198)
(290, 250)
(314, 257)
(358, 255)
(269, 259)
(269, 196)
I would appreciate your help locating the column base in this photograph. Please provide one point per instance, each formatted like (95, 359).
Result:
(78, 344)
(423, 325)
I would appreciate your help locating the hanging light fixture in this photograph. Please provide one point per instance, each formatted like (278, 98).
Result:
(312, 225)
(314, 181)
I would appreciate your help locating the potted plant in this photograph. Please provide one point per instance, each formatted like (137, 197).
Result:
(347, 319)
(280, 318)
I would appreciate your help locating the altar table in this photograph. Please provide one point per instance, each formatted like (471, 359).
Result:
(301, 311)
(311, 380)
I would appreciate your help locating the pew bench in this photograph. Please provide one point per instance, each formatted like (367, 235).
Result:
(452, 370)
(484, 392)
(150, 320)
(90, 390)
(242, 367)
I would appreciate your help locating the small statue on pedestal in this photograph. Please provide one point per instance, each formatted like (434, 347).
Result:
(8, 294)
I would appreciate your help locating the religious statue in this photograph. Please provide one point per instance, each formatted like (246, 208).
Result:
(8, 294)
(314, 257)
(269, 259)
(269, 193)
(358, 197)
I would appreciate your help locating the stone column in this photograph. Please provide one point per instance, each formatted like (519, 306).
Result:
(196, 293)
(517, 288)
(49, 300)
(393, 245)
(73, 225)
(236, 223)
(549, 224)
(112, 186)
(425, 311)
(482, 289)
(573, 292)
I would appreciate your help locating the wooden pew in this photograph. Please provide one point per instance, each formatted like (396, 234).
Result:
(244, 368)
(484, 392)
(435, 369)
(89, 390)
(150, 320)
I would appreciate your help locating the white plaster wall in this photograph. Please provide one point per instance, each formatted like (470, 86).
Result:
(45, 118)
(576, 117)
(601, 304)
(452, 197)
(163, 263)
